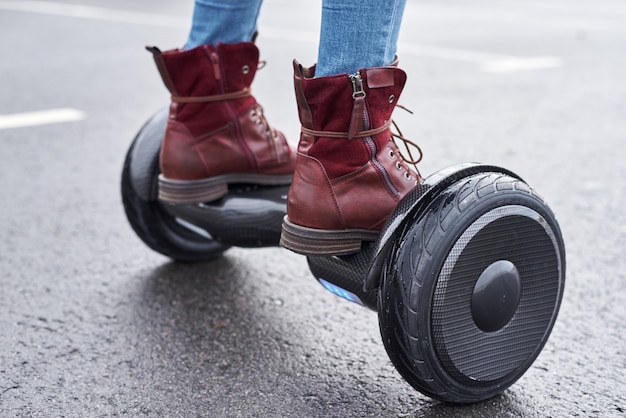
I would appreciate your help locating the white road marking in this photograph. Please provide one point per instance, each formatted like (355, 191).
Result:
(42, 117)
(509, 65)
(95, 13)
(492, 63)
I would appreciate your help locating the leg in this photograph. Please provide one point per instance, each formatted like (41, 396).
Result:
(216, 21)
(358, 34)
(349, 174)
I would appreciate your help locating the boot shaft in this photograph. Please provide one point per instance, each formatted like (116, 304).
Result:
(345, 118)
(208, 80)
(335, 103)
(207, 69)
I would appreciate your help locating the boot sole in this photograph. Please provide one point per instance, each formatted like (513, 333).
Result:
(323, 242)
(207, 190)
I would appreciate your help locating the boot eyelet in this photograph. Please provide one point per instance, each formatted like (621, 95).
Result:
(407, 175)
(245, 69)
(392, 154)
(392, 98)
(398, 165)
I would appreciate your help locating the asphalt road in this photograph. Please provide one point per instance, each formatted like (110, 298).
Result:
(93, 323)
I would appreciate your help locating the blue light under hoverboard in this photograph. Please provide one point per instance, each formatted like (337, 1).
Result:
(340, 292)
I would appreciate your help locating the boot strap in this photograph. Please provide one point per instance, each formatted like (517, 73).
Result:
(361, 134)
(213, 98)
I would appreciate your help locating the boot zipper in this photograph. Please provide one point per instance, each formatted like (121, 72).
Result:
(358, 92)
(231, 112)
(216, 69)
(357, 85)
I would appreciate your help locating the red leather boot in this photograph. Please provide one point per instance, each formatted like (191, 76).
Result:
(216, 133)
(349, 174)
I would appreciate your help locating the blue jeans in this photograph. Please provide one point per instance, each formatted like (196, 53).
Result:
(354, 34)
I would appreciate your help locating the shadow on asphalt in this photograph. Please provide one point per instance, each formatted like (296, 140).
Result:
(209, 329)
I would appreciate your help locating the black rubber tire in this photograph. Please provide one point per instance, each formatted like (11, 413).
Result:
(407, 288)
(152, 224)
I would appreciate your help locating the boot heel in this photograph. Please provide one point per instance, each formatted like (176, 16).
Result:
(190, 191)
(321, 242)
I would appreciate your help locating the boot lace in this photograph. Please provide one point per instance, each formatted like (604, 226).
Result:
(403, 160)
(406, 158)
(258, 117)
